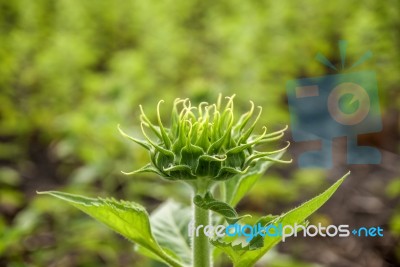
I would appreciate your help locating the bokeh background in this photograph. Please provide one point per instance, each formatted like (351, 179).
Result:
(71, 70)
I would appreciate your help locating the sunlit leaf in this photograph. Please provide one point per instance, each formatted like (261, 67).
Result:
(244, 256)
(209, 203)
(126, 218)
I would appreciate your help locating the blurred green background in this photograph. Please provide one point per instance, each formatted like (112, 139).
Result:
(71, 70)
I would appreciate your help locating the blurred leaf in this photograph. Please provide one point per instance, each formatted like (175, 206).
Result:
(11, 198)
(274, 189)
(393, 189)
(310, 179)
(9, 176)
(169, 224)
(239, 185)
(395, 224)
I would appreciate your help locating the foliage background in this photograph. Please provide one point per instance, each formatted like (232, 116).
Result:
(70, 71)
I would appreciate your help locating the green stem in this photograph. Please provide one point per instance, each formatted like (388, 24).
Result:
(201, 245)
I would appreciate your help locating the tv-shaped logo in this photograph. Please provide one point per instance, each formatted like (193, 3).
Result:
(326, 107)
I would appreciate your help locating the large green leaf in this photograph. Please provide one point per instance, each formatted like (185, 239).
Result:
(169, 224)
(239, 185)
(126, 218)
(244, 256)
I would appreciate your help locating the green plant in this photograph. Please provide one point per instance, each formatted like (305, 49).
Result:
(206, 148)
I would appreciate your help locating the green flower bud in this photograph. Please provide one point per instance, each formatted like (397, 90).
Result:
(204, 142)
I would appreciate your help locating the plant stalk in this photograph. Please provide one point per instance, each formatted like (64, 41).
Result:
(201, 245)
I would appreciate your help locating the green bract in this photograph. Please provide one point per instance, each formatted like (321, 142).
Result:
(204, 142)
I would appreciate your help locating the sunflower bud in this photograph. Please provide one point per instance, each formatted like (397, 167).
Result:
(204, 142)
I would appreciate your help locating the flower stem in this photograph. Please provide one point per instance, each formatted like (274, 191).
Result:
(201, 245)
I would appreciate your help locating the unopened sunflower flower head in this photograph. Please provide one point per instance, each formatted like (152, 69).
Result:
(204, 141)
